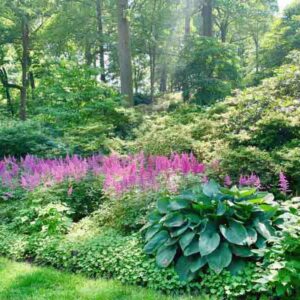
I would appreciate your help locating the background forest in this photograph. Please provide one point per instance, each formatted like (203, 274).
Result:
(122, 115)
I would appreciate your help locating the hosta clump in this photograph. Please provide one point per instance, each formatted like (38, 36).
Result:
(210, 226)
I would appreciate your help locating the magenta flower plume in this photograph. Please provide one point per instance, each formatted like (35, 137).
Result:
(227, 181)
(283, 183)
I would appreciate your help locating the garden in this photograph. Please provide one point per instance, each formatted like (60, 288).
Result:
(181, 183)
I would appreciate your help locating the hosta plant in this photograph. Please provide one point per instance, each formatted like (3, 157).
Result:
(210, 226)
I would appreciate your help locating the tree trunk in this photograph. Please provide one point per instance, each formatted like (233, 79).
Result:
(188, 13)
(100, 37)
(224, 30)
(125, 52)
(207, 18)
(6, 86)
(163, 79)
(152, 71)
(256, 42)
(24, 62)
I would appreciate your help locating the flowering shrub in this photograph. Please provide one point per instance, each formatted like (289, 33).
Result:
(120, 173)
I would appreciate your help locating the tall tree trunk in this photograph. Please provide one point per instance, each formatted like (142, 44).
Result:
(152, 71)
(88, 54)
(207, 18)
(188, 13)
(256, 42)
(125, 52)
(224, 31)
(25, 62)
(6, 85)
(163, 79)
(100, 38)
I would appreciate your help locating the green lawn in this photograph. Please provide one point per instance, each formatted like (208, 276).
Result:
(21, 281)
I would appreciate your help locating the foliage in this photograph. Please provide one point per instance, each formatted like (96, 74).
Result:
(20, 138)
(211, 225)
(208, 71)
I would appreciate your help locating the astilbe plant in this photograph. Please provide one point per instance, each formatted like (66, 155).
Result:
(210, 226)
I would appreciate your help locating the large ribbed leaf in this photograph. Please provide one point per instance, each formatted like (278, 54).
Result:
(165, 256)
(209, 240)
(179, 203)
(186, 239)
(236, 266)
(211, 188)
(220, 258)
(234, 233)
(157, 241)
(180, 230)
(264, 228)
(155, 217)
(197, 263)
(221, 209)
(261, 242)
(192, 248)
(252, 236)
(163, 205)
(152, 231)
(183, 268)
(174, 220)
(241, 251)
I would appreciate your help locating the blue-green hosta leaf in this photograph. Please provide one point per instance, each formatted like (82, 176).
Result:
(152, 231)
(209, 240)
(197, 263)
(179, 203)
(211, 188)
(264, 228)
(252, 236)
(220, 258)
(154, 217)
(247, 192)
(236, 266)
(171, 241)
(157, 241)
(163, 205)
(182, 268)
(165, 255)
(174, 220)
(261, 243)
(221, 209)
(241, 251)
(180, 230)
(193, 218)
(234, 233)
(192, 248)
(186, 239)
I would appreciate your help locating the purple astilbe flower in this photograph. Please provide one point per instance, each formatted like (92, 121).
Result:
(227, 181)
(252, 180)
(283, 183)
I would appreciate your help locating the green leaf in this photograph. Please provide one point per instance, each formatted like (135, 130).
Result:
(152, 231)
(154, 217)
(186, 239)
(264, 228)
(241, 251)
(174, 220)
(197, 263)
(247, 192)
(163, 205)
(157, 241)
(261, 242)
(192, 248)
(179, 231)
(220, 258)
(209, 240)
(236, 266)
(165, 256)
(221, 209)
(252, 236)
(235, 233)
(179, 203)
(211, 188)
(183, 268)
(193, 218)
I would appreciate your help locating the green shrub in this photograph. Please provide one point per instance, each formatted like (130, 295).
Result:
(209, 225)
(20, 138)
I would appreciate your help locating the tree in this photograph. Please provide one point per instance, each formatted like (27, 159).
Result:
(207, 9)
(124, 49)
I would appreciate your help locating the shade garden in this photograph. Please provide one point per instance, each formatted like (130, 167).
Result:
(154, 221)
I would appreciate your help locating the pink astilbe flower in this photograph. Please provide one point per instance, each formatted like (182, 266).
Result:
(227, 181)
(283, 183)
(70, 191)
(252, 180)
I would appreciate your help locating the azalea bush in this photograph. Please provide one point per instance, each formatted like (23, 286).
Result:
(210, 225)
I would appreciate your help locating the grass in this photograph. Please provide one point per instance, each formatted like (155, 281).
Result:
(22, 281)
